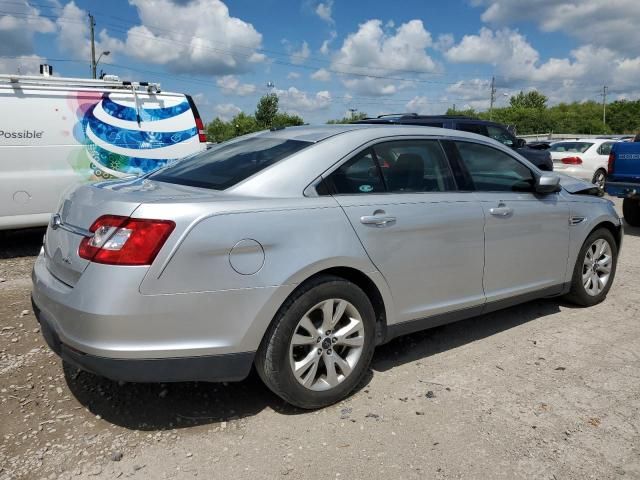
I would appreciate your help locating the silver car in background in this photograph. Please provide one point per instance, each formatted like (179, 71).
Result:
(301, 249)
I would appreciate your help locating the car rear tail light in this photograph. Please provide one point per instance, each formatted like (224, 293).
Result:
(120, 240)
(202, 134)
(612, 163)
(572, 161)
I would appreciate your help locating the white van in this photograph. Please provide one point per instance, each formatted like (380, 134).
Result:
(56, 132)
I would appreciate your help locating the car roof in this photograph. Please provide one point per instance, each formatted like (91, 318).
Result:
(317, 133)
(585, 140)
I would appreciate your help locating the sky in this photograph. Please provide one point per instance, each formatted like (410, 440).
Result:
(324, 58)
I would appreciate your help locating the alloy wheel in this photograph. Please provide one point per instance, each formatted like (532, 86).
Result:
(596, 267)
(599, 179)
(327, 344)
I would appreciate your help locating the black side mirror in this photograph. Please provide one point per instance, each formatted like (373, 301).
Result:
(548, 183)
(520, 142)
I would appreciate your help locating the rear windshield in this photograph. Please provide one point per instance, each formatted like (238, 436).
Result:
(573, 147)
(227, 164)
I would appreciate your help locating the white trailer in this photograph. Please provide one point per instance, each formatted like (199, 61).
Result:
(58, 132)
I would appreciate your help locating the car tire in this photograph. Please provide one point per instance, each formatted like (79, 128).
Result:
(280, 352)
(599, 178)
(586, 290)
(631, 211)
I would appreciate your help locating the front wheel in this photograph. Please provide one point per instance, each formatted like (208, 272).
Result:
(320, 344)
(595, 269)
(631, 211)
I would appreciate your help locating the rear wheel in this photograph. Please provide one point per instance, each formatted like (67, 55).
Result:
(599, 178)
(631, 211)
(595, 269)
(320, 345)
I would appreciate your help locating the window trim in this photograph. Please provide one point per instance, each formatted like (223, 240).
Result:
(324, 177)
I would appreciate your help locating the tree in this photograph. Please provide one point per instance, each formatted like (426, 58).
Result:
(266, 110)
(287, 120)
(532, 99)
(348, 119)
(219, 131)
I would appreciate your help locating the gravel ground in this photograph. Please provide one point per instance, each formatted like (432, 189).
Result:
(543, 390)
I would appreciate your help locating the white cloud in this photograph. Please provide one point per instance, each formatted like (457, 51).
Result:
(193, 37)
(418, 104)
(519, 65)
(230, 85)
(293, 75)
(73, 35)
(226, 111)
(321, 75)
(293, 99)
(612, 24)
(372, 51)
(324, 10)
(17, 29)
(473, 93)
(298, 57)
(324, 48)
(22, 65)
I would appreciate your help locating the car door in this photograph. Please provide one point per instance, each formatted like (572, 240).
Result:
(526, 234)
(425, 238)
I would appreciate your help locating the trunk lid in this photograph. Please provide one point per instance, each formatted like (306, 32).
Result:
(80, 207)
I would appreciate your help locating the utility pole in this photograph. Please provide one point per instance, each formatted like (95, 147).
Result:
(493, 97)
(92, 24)
(353, 112)
(604, 105)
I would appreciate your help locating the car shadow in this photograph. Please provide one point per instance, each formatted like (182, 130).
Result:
(155, 406)
(426, 343)
(632, 231)
(21, 243)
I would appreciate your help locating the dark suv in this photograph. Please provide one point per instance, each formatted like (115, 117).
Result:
(497, 131)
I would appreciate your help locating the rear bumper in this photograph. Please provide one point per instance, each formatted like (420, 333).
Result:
(213, 368)
(622, 189)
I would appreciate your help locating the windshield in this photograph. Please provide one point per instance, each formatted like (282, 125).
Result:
(573, 147)
(228, 164)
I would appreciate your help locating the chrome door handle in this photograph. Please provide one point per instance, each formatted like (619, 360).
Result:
(377, 220)
(501, 211)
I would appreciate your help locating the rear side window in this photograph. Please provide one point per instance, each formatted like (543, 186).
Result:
(473, 128)
(494, 171)
(605, 148)
(571, 147)
(227, 164)
(358, 175)
(414, 166)
(500, 134)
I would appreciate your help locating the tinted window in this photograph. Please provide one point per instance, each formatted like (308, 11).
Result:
(473, 128)
(492, 170)
(414, 166)
(500, 134)
(573, 147)
(605, 148)
(358, 175)
(227, 164)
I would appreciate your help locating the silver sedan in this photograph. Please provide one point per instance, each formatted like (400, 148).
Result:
(299, 250)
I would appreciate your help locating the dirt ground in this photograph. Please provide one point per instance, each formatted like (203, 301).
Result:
(543, 390)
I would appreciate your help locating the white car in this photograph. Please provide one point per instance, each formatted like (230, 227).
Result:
(583, 158)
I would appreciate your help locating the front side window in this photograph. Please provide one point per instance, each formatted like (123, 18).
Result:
(501, 135)
(227, 164)
(358, 175)
(494, 171)
(414, 166)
